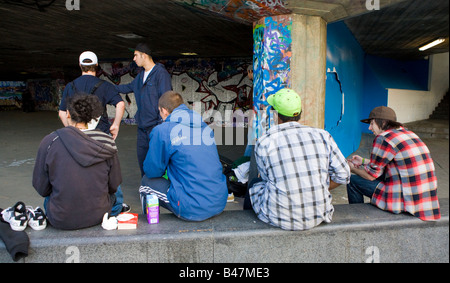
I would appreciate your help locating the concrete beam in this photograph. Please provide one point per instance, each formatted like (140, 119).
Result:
(252, 10)
(328, 11)
(335, 10)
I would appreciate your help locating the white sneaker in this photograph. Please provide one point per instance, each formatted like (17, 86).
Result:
(36, 218)
(16, 216)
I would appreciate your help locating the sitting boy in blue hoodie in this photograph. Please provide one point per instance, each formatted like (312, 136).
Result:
(184, 145)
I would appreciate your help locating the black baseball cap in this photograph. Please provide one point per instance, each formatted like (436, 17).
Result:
(142, 47)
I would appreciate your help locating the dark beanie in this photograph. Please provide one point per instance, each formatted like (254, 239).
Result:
(142, 47)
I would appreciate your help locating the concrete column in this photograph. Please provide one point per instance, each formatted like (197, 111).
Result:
(308, 66)
(289, 51)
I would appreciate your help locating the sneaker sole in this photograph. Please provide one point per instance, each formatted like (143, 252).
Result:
(14, 227)
(17, 228)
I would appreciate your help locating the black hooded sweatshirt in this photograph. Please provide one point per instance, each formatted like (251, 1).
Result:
(79, 172)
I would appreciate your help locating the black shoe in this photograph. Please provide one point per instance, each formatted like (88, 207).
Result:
(125, 208)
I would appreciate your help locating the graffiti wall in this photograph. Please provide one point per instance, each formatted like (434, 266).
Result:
(272, 43)
(31, 95)
(121, 73)
(218, 87)
(11, 93)
(213, 85)
(46, 93)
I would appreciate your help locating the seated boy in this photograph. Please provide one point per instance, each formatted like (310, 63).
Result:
(299, 166)
(77, 170)
(184, 145)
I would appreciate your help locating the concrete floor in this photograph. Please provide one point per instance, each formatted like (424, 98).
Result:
(21, 133)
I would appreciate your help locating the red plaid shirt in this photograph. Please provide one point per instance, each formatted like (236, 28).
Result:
(410, 183)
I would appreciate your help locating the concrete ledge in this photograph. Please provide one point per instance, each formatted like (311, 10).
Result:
(358, 233)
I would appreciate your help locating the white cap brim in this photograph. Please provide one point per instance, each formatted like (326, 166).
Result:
(88, 55)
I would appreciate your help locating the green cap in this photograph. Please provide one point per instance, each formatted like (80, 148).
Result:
(287, 102)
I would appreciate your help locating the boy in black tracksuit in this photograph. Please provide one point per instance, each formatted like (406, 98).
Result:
(148, 86)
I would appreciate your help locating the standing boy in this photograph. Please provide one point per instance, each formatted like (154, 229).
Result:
(148, 86)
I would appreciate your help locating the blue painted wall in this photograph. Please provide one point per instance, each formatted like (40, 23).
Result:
(380, 74)
(344, 87)
(412, 75)
(375, 94)
(356, 83)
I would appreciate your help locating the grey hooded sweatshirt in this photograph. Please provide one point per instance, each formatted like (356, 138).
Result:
(78, 172)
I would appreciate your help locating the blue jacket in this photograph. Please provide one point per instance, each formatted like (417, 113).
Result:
(185, 146)
(147, 94)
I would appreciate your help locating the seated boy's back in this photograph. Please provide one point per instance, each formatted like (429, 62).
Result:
(184, 146)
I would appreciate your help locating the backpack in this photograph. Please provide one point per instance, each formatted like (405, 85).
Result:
(96, 86)
(234, 186)
(75, 90)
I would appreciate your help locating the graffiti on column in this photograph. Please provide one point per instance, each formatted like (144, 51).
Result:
(271, 65)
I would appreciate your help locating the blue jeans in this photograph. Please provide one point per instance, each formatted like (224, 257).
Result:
(143, 139)
(249, 150)
(159, 186)
(117, 206)
(117, 202)
(252, 179)
(360, 187)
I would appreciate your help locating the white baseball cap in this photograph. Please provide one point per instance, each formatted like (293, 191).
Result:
(88, 55)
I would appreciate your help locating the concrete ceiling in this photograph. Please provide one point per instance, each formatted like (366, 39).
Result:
(43, 36)
(400, 29)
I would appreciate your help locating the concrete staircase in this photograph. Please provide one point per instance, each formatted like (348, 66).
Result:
(437, 126)
(431, 128)
(441, 111)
